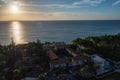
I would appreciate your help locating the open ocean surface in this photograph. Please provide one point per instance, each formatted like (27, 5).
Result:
(66, 31)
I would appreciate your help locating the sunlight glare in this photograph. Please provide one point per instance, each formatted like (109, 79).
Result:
(17, 32)
(14, 8)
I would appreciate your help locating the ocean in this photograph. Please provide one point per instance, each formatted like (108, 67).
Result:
(65, 31)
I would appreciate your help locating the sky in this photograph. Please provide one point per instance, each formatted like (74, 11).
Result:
(59, 10)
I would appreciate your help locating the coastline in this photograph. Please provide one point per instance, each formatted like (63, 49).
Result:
(55, 58)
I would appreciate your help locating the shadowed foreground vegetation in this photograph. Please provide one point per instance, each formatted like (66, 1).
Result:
(15, 59)
(108, 46)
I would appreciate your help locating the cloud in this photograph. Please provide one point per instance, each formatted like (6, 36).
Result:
(1, 2)
(76, 4)
(60, 6)
(51, 5)
(88, 2)
(116, 3)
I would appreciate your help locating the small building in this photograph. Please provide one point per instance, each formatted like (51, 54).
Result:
(103, 65)
(51, 55)
(59, 63)
(81, 47)
(58, 46)
(56, 61)
(46, 47)
(79, 60)
(71, 52)
(55, 46)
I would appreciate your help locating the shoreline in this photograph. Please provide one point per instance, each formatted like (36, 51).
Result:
(62, 41)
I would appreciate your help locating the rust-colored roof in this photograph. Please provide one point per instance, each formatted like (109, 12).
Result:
(52, 55)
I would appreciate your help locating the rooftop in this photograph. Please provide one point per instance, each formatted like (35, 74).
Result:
(97, 58)
(52, 55)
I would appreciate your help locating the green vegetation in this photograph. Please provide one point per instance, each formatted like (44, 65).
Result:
(108, 46)
(16, 60)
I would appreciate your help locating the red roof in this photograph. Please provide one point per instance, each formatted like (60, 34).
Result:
(52, 55)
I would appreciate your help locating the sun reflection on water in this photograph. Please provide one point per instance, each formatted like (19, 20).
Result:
(17, 33)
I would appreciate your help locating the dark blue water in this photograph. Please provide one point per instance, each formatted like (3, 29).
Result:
(55, 30)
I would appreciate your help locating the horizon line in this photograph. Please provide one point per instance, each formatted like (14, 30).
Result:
(63, 20)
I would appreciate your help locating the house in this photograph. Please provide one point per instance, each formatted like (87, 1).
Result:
(103, 65)
(81, 47)
(58, 46)
(56, 61)
(46, 47)
(51, 55)
(79, 60)
(71, 52)
(63, 62)
(59, 63)
(55, 46)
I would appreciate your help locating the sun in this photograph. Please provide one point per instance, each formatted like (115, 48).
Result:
(14, 8)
